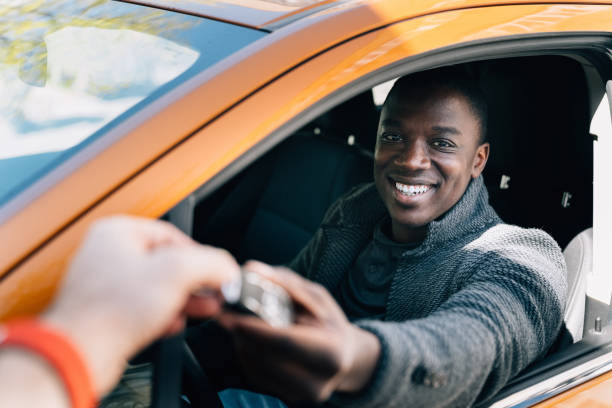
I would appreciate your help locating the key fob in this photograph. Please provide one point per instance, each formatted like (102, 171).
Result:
(258, 295)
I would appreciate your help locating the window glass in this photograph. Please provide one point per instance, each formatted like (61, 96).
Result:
(72, 69)
(600, 281)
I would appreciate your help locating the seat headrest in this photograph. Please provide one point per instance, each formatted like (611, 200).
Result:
(358, 117)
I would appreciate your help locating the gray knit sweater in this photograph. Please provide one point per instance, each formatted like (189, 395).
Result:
(468, 310)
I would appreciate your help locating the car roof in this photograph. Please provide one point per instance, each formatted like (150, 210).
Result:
(250, 13)
(270, 15)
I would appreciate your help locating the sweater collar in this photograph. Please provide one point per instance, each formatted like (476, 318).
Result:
(363, 209)
(471, 213)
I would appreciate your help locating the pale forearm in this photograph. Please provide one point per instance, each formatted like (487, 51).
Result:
(102, 350)
(28, 381)
(105, 311)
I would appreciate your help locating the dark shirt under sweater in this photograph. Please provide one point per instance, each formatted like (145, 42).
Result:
(365, 288)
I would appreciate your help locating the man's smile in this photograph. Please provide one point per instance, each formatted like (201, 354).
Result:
(408, 189)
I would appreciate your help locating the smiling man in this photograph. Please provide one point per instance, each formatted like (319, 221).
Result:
(430, 145)
(424, 297)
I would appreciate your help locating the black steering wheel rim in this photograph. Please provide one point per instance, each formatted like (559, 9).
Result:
(177, 373)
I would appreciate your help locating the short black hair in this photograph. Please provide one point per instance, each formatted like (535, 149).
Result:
(456, 78)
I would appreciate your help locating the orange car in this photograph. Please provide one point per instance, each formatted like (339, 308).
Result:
(241, 120)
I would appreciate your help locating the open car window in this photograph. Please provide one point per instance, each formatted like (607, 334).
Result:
(271, 209)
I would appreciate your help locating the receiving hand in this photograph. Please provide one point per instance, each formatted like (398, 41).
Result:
(307, 361)
(130, 282)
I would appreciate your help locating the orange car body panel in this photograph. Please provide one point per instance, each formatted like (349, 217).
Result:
(182, 142)
(170, 163)
(165, 135)
(151, 135)
(596, 393)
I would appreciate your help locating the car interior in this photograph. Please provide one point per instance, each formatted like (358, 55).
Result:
(539, 173)
(541, 155)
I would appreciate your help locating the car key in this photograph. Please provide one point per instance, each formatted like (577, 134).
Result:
(260, 296)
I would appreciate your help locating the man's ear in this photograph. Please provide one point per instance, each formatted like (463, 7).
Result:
(480, 159)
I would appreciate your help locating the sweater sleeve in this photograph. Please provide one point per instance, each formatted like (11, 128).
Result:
(507, 314)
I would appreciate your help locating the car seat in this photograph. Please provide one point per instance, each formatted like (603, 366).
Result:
(579, 259)
(539, 172)
(298, 194)
(274, 207)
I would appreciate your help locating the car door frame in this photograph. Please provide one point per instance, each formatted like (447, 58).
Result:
(364, 66)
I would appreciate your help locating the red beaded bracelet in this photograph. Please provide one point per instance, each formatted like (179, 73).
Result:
(58, 350)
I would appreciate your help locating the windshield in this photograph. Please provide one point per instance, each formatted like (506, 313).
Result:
(72, 69)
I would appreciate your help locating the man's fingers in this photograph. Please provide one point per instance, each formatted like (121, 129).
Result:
(285, 379)
(278, 274)
(253, 327)
(311, 296)
(305, 345)
(232, 320)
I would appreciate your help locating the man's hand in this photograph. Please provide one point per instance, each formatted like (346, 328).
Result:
(130, 282)
(305, 362)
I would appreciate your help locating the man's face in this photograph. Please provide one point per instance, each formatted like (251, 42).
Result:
(427, 150)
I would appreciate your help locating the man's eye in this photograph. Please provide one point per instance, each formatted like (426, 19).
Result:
(443, 144)
(390, 137)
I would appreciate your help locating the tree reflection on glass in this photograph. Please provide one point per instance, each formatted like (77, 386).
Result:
(72, 70)
(68, 67)
(24, 24)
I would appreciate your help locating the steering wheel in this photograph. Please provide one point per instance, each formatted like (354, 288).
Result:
(176, 372)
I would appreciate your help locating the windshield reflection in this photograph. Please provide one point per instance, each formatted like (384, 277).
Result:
(69, 69)
(82, 92)
(72, 66)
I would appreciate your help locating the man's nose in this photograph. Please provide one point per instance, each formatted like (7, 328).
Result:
(413, 156)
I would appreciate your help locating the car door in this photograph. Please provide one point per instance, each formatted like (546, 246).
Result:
(268, 115)
(239, 130)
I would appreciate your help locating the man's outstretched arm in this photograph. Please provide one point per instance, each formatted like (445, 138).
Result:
(506, 316)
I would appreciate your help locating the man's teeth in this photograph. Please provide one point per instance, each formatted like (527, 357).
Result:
(411, 190)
